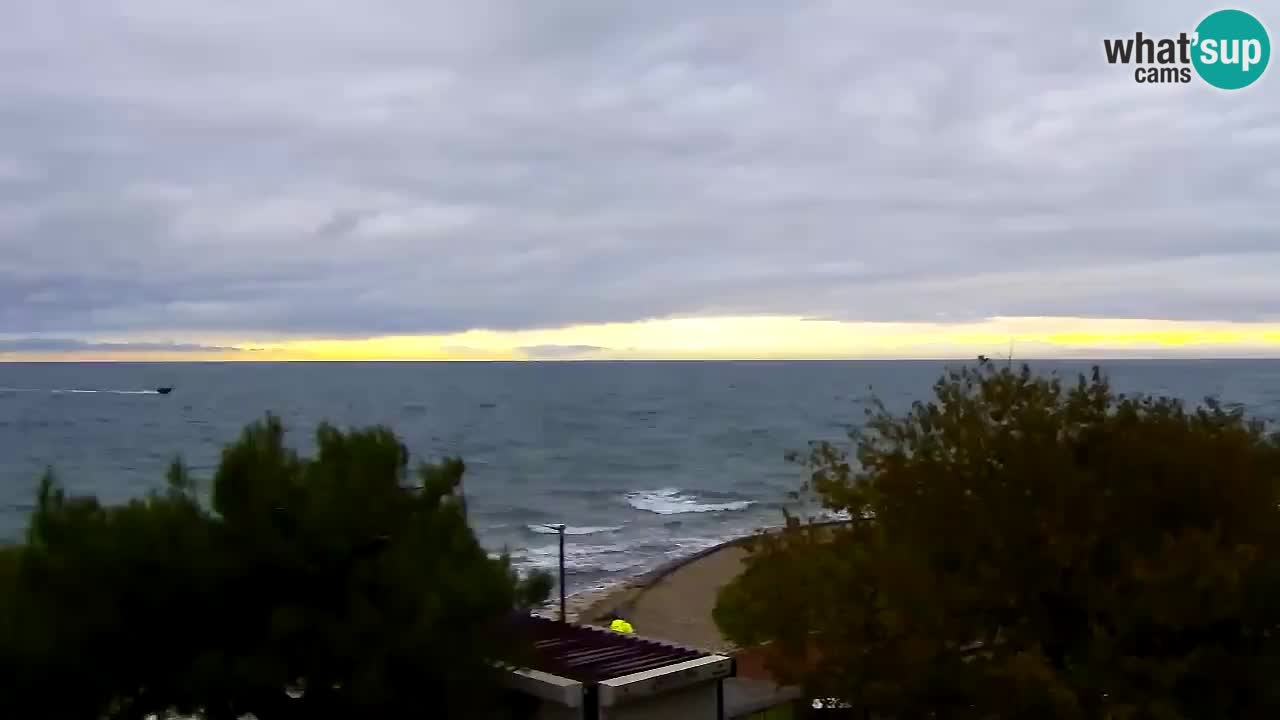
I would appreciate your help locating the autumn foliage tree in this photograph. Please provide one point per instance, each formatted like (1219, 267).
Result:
(1026, 547)
(336, 586)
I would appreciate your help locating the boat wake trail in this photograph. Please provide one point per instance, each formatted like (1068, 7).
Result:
(80, 392)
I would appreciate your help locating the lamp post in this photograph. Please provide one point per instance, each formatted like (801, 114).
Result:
(559, 528)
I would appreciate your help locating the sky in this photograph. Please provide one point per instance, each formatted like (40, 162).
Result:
(577, 179)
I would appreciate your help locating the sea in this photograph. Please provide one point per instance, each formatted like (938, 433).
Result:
(645, 462)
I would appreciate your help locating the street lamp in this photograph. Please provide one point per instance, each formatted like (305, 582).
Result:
(559, 528)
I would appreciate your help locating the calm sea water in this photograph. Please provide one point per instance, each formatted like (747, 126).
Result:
(644, 461)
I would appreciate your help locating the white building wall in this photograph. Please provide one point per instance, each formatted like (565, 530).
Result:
(559, 698)
(555, 711)
(692, 703)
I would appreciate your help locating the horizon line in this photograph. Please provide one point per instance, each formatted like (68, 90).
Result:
(550, 361)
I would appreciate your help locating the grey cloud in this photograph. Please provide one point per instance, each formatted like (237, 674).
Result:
(69, 345)
(561, 352)
(405, 167)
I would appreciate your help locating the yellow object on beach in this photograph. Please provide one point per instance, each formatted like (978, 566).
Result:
(620, 625)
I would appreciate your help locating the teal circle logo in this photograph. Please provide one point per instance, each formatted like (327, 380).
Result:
(1232, 49)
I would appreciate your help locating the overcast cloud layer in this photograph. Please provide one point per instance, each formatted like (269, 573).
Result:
(264, 169)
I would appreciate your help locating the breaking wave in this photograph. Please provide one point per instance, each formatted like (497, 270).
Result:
(670, 501)
(628, 556)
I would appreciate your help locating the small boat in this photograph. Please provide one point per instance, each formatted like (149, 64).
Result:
(164, 390)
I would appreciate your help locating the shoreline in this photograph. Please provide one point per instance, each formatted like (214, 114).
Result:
(596, 605)
(672, 601)
(621, 597)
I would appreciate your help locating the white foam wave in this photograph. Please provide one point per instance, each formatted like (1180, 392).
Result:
(630, 554)
(585, 558)
(670, 501)
(572, 530)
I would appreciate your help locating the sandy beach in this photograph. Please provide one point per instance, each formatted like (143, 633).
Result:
(672, 602)
(678, 606)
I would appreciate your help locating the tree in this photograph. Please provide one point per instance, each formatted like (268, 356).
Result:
(336, 586)
(1023, 548)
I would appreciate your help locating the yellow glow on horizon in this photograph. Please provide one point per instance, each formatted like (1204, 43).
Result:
(758, 337)
(794, 337)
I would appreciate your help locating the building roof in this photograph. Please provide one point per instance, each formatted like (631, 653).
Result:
(590, 654)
